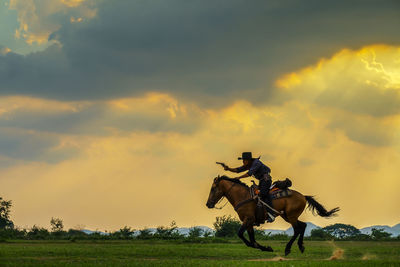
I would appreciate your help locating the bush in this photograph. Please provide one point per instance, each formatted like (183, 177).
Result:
(361, 237)
(37, 232)
(13, 233)
(278, 237)
(209, 233)
(144, 234)
(260, 234)
(195, 232)
(379, 234)
(165, 232)
(226, 226)
(74, 234)
(320, 234)
(123, 233)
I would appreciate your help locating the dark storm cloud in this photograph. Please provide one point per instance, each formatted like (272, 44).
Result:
(27, 145)
(35, 136)
(211, 51)
(96, 120)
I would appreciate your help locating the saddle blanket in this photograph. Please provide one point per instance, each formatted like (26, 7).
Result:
(275, 192)
(279, 193)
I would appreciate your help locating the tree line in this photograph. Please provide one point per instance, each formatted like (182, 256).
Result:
(226, 227)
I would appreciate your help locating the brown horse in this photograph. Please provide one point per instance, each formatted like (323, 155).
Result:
(291, 207)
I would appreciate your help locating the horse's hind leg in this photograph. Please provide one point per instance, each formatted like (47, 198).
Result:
(296, 233)
(250, 231)
(302, 228)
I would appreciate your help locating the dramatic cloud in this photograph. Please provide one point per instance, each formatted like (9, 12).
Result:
(211, 52)
(123, 114)
(359, 90)
(39, 18)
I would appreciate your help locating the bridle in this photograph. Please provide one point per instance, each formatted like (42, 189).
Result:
(224, 195)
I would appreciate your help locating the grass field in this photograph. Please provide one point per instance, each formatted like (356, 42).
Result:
(156, 253)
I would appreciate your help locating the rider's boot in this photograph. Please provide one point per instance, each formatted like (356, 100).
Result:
(270, 213)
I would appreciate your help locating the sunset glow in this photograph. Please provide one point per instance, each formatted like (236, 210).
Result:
(105, 123)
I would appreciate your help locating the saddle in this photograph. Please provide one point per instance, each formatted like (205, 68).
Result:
(279, 189)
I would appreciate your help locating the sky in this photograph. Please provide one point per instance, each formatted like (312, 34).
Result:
(113, 113)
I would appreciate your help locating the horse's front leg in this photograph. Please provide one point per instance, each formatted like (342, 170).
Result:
(250, 231)
(241, 234)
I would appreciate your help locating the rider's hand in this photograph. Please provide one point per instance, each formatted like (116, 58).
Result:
(226, 168)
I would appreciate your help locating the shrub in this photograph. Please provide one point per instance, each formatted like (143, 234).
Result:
(379, 234)
(195, 232)
(226, 226)
(168, 232)
(320, 234)
(278, 237)
(37, 232)
(124, 233)
(74, 234)
(144, 234)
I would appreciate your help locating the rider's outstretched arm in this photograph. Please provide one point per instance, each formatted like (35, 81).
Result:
(237, 170)
(243, 176)
(232, 169)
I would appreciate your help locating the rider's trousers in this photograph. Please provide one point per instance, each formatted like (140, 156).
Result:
(264, 186)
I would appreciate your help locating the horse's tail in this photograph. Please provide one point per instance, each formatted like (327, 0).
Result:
(321, 211)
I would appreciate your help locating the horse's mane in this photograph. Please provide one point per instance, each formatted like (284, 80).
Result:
(236, 181)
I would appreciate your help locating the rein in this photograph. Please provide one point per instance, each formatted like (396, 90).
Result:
(233, 184)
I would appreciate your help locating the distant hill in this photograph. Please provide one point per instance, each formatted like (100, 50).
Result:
(89, 232)
(394, 230)
(309, 228)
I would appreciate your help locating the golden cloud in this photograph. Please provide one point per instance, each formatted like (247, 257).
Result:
(358, 89)
(4, 50)
(364, 81)
(11, 104)
(37, 18)
(72, 3)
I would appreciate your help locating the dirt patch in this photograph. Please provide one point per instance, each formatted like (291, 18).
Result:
(368, 257)
(337, 253)
(271, 259)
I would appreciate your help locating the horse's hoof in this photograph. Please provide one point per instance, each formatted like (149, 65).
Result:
(302, 248)
(287, 252)
(269, 249)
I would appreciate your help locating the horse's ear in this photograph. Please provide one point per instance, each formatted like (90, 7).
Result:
(218, 176)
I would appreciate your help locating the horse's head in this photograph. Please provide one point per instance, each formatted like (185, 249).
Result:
(215, 193)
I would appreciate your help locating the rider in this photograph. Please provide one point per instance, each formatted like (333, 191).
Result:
(260, 171)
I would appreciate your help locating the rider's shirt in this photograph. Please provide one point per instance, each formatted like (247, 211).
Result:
(257, 169)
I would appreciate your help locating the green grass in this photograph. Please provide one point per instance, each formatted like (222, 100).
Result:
(156, 253)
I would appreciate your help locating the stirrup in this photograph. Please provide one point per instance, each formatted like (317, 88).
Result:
(269, 208)
(270, 217)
